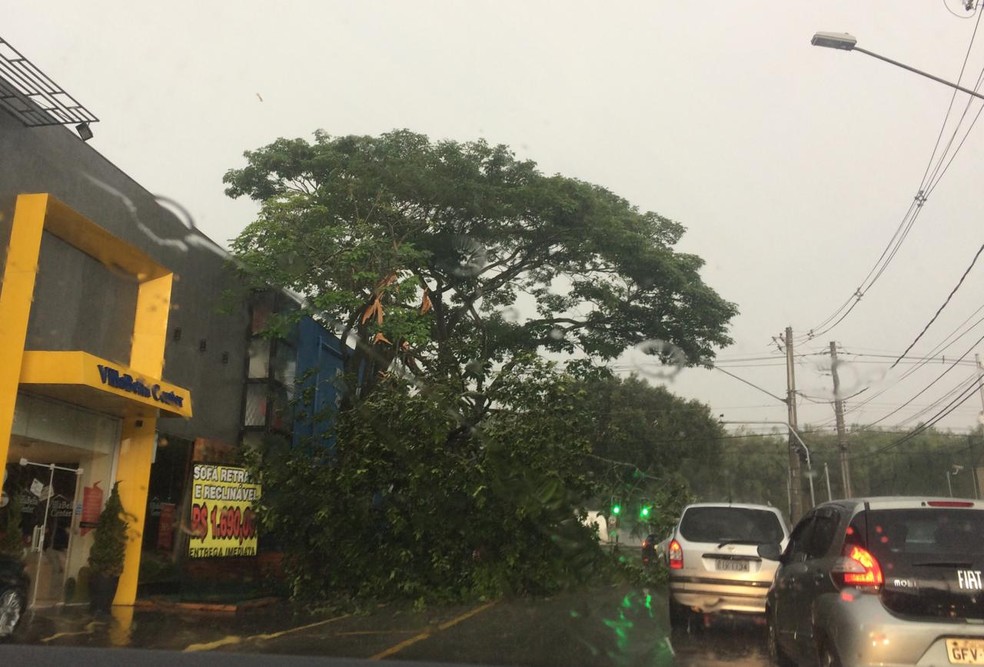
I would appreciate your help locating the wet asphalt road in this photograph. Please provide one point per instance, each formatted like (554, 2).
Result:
(601, 627)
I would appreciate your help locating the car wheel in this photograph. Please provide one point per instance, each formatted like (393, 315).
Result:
(776, 654)
(828, 655)
(11, 609)
(680, 615)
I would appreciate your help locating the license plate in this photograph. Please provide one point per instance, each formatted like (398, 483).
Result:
(734, 566)
(965, 651)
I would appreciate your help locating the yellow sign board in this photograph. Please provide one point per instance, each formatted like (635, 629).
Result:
(223, 523)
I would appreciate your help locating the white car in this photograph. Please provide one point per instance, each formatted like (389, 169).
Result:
(713, 559)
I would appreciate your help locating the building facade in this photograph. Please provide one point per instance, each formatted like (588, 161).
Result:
(129, 350)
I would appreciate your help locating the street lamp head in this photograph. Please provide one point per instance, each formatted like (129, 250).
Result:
(834, 40)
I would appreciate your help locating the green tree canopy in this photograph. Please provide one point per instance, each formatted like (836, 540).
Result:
(399, 515)
(454, 258)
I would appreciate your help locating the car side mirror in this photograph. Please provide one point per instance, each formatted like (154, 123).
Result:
(769, 551)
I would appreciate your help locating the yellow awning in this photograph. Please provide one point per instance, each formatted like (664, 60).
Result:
(86, 380)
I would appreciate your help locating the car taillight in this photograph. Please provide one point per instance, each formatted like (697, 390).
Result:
(857, 567)
(950, 503)
(675, 552)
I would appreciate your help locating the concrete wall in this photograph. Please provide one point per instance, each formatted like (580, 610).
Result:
(206, 347)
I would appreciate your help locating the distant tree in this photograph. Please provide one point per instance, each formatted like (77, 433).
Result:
(893, 462)
(649, 449)
(752, 468)
(651, 428)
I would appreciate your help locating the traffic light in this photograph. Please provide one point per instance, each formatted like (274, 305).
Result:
(645, 511)
(616, 508)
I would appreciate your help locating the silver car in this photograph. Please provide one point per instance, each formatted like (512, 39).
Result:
(713, 561)
(881, 581)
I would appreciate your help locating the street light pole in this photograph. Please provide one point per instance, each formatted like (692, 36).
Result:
(847, 42)
(796, 507)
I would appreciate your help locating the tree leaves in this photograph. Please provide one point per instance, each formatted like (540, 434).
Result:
(479, 231)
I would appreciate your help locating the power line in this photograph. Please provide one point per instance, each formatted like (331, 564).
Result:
(750, 384)
(937, 175)
(960, 386)
(943, 345)
(945, 303)
(960, 400)
(915, 360)
(911, 215)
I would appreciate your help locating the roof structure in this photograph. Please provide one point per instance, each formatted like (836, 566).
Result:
(32, 97)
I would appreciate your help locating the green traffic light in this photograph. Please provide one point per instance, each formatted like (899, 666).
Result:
(616, 509)
(644, 513)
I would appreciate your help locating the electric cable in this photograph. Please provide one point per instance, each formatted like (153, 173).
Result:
(943, 345)
(945, 303)
(909, 219)
(960, 400)
(957, 389)
(923, 390)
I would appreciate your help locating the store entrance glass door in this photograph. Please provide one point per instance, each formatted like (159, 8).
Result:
(53, 495)
(58, 454)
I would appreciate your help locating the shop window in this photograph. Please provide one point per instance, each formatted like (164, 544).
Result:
(284, 366)
(256, 405)
(259, 358)
(261, 310)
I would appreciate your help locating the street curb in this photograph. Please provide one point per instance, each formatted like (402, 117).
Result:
(210, 607)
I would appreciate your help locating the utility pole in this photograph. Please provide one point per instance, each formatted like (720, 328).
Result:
(796, 497)
(839, 414)
(980, 381)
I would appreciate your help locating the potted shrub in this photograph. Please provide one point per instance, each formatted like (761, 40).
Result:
(107, 553)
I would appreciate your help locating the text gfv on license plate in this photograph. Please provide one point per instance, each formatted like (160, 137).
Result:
(965, 651)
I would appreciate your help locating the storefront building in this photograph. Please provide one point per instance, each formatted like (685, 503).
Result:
(130, 352)
(93, 418)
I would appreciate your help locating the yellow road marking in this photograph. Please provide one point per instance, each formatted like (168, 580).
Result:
(236, 639)
(225, 641)
(274, 635)
(89, 629)
(396, 648)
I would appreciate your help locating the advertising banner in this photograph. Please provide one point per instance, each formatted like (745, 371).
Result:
(223, 523)
(165, 526)
(92, 503)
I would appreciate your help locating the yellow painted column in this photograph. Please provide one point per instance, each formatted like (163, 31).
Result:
(138, 435)
(133, 474)
(150, 325)
(16, 296)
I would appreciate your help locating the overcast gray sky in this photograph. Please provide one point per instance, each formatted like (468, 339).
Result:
(791, 166)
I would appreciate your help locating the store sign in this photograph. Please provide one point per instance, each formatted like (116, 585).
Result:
(223, 523)
(125, 382)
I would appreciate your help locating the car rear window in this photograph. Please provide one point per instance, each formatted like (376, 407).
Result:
(921, 532)
(722, 524)
(932, 559)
